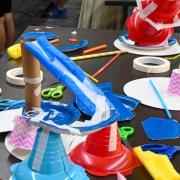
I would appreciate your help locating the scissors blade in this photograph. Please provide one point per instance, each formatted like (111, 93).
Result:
(126, 143)
(125, 132)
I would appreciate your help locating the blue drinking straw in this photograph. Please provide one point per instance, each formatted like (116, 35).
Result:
(160, 98)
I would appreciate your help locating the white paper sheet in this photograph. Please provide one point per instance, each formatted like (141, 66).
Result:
(7, 119)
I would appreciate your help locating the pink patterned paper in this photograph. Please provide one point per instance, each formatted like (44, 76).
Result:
(174, 84)
(23, 134)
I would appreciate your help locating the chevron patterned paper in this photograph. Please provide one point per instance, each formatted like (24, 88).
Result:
(23, 134)
(174, 85)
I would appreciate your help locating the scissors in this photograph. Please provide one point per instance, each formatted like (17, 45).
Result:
(161, 149)
(125, 132)
(53, 93)
(6, 104)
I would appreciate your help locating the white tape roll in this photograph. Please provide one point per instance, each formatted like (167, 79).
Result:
(12, 76)
(151, 64)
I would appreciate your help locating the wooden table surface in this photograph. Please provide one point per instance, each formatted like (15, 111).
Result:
(119, 74)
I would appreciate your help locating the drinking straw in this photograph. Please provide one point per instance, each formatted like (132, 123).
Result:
(160, 99)
(97, 48)
(91, 77)
(102, 69)
(173, 57)
(90, 56)
(54, 41)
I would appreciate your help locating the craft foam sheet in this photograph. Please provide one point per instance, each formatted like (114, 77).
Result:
(141, 90)
(172, 50)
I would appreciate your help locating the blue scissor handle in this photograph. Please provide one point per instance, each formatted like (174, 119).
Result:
(161, 149)
(157, 148)
(6, 104)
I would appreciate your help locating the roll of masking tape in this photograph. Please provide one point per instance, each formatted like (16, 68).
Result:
(151, 64)
(15, 76)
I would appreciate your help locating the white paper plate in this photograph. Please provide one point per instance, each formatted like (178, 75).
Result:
(141, 90)
(16, 152)
(124, 39)
(69, 141)
(172, 50)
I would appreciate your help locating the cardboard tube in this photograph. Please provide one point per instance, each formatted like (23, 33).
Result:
(31, 70)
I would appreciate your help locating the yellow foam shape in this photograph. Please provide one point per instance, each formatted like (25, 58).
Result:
(159, 166)
(14, 51)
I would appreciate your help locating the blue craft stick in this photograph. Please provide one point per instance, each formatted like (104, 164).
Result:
(160, 99)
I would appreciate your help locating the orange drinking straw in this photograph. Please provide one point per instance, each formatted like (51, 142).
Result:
(54, 41)
(97, 48)
(101, 70)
